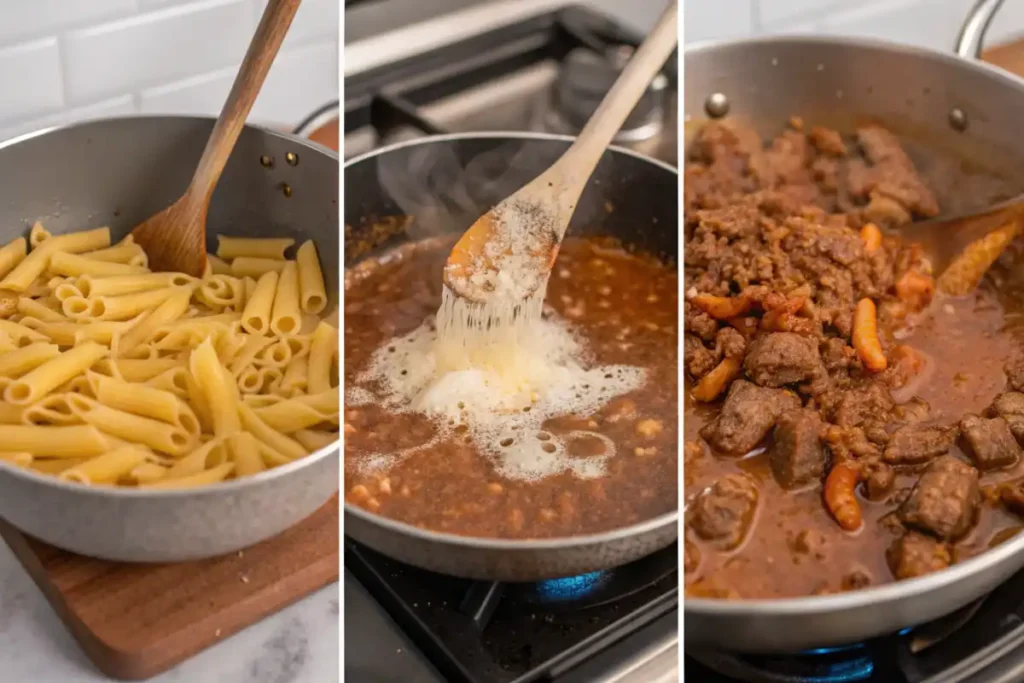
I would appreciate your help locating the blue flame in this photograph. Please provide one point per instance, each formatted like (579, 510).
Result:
(570, 587)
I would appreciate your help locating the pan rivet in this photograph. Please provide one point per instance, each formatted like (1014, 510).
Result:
(717, 105)
(286, 189)
(958, 119)
(292, 158)
(266, 162)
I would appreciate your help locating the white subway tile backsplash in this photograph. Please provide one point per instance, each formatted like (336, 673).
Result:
(925, 23)
(204, 94)
(117, 106)
(707, 19)
(155, 47)
(21, 19)
(30, 79)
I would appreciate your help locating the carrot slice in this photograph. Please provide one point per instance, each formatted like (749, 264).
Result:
(865, 336)
(715, 382)
(841, 497)
(871, 236)
(915, 288)
(722, 307)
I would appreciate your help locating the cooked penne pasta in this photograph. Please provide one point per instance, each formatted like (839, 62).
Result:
(77, 441)
(229, 248)
(315, 440)
(16, 363)
(11, 255)
(161, 437)
(312, 292)
(33, 265)
(204, 478)
(106, 468)
(220, 395)
(285, 316)
(323, 349)
(248, 266)
(73, 265)
(46, 377)
(113, 375)
(256, 316)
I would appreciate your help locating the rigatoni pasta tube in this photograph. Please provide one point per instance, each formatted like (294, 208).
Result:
(142, 400)
(245, 452)
(108, 467)
(11, 255)
(300, 413)
(17, 459)
(259, 247)
(117, 285)
(171, 309)
(256, 267)
(322, 349)
(286, 315)
(313, 293)
(315, 440)
(54, 372)
(256, 315)
(77, 441)
(31, 307)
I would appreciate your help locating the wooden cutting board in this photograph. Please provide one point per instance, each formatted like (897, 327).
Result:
(135, 621)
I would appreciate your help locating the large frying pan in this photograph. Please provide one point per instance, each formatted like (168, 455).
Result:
(765, 81)
(445, 183)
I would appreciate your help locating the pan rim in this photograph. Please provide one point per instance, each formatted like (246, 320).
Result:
(478, 135)
(221, 488)
(803, 606)
(479, 542)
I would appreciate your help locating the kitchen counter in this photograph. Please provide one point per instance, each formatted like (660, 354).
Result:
(297, 645)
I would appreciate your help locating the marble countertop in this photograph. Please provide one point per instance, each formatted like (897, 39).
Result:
(299, 644)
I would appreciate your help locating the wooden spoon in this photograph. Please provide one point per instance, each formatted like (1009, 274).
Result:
(512, 247)
(963, 248)
(175, 238)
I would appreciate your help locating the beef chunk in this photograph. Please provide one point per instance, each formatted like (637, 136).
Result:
(914, 410)
(1012, 496)
(945, 500)
(1010, 407)
(748, 413)
(730, 343)
(782, 358)
(989, 442)
(797, 456)
(869, 402)
(1015, 374)
(916, 554)
(828, 141)
(723, 512)
(879, 480)
(698, 322)
(915, 444)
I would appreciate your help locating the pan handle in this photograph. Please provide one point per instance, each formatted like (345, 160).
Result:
(972, 34)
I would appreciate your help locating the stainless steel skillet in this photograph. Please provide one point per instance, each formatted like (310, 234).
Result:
(956, 100)
(445, 182)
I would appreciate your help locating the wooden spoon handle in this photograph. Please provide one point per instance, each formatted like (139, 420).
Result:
(260, 56)
(579, 161)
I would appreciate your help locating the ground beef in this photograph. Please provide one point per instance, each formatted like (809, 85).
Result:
(892, 173)
(699, 323)
(945, 500)
(747, 415)
(730, 343)
(797, 456)
(916, 444)
(699, 359)
(989, 442)
(916, 554)
(828, 141)
(722, 514)
(782, 358)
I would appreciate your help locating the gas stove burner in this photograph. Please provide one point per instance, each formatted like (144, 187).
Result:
(583, 81)
(826, 665)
